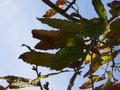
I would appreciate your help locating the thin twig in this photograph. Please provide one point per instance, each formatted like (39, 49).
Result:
(38, 74)
(73, 2)
(61, 11)
(71, 83)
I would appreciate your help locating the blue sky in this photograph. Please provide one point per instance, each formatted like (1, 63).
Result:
(17, 19)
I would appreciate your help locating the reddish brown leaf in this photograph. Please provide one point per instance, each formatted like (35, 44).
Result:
(47, 35)
(60, 2)
(47, 44)
(2, 88)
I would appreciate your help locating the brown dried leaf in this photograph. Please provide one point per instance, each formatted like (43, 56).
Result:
(2, 88)
(47, 44)
(47, 35)
(60, 2)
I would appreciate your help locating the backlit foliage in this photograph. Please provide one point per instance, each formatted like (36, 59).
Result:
(80, 42)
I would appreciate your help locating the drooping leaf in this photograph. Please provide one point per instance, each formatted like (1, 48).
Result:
(107, 84)
(19, 82)
(2, 88)
(37, 58)
(115, 8)
(65, 56)
(49, 39)
(51, 12)
(99, 8)
(88, 84)
(109, 57)
(60, 2)
(93, 28)
(95, 63)
(48, 75)
(65, 25)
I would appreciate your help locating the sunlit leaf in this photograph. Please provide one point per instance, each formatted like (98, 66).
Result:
(88, 58)
(65, 25)
(19, 82)
(88, 84)
(51, 12)
(48, 75)
(99, 8)
(109, 57)
(65, 56)
(37, 58)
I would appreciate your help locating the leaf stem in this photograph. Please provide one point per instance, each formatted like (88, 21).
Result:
(71, 82)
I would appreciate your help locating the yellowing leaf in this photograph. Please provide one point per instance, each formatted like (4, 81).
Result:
(88, 84)
(109, 57)
(88, 58)
(99, 7)
(48, 75)
(95, 63)
(51, 12)
(19, 82)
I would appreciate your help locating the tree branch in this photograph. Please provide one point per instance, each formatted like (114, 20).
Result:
(70, 5)
(38, 74)
(71, 83)
(62, 12)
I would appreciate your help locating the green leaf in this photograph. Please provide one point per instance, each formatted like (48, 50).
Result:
(93, 28)
(109, 58)
(65, 56)
(19, 82)
(99, 8)
(48, 75)
(107, 84)
(111, 42)
(37, 58)
(65, 25)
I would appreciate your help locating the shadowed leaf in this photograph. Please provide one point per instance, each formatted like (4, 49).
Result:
(93, 28)
(65, 57)
(37, 58)
(65, 25)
